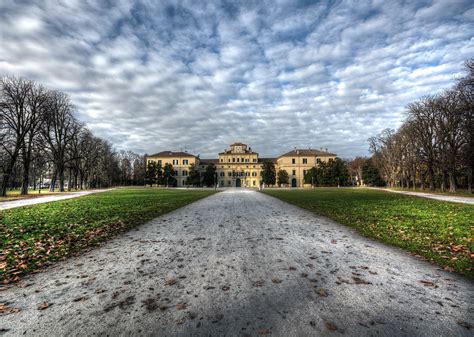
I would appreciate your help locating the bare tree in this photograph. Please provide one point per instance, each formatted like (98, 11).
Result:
(16, 122)
(59, 129)
(36, 105)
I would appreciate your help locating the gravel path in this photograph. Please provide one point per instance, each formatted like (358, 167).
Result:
(240, 263)
(450, 198)
(47, 198)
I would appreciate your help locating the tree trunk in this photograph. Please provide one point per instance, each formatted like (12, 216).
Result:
(432, 178)
(469, 181)
(53, 181)
(452, 182)
(69, 182)
(61, 178)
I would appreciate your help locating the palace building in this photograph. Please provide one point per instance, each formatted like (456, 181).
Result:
(240, 166)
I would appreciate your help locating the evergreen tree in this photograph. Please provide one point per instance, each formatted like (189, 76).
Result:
(159, 174)
(151, 173)
(268, 173)
(339, 174)
(311, 176)
(209, 175)
(194, 178)
(168, 175)
(371, 175)
(282, 177)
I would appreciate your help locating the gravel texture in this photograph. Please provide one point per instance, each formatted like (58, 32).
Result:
(240, 263)
(441, 197)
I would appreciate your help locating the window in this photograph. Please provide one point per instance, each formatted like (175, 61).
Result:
(293, 160)
(230, 174)
(185, 162)
(222, 174)
(254, 160)
(229, 160)
(159, 162)
(318, 161)
(175, 173)
(229, 182)
(238, 160)
(294, 172)
(185, 173)
(305, 160)
(175, 161)
(222, 183)
(222, 160)
(254, 183)
(242, 160)
(233, 160)
(254, 174)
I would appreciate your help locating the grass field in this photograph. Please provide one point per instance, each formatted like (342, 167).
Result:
(32, 236)
(439, 231)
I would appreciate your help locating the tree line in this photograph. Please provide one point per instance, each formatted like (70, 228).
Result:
(434, 147)
(40, 137)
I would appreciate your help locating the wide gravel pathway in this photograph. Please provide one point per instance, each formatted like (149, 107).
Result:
(240, 263)
(47, 198)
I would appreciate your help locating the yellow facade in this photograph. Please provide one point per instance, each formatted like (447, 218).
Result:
(240, 166)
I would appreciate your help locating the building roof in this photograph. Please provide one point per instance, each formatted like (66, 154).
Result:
(273, 160)
(172, 154)
(208, 161)
(247, 151)
(307, 152)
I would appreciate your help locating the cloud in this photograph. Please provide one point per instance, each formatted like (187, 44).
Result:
(150, 76)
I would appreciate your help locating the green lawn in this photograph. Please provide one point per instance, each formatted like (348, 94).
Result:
(32, 236)
(439, 231)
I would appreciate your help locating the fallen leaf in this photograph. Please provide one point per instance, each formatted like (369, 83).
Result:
(428, 284)
(170, 281)
(358, 280)
(44, 305)
(5, 309)
(331, 326)
(181, 306)
(322, 293)
(276, 280)
(264, 331)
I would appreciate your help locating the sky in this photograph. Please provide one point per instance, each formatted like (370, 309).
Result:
(150, 76)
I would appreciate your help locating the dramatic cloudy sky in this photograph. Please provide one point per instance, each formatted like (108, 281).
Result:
(150, 75)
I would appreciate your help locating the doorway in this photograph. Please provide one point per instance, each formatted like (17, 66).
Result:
(238, 183)
(293, 182)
